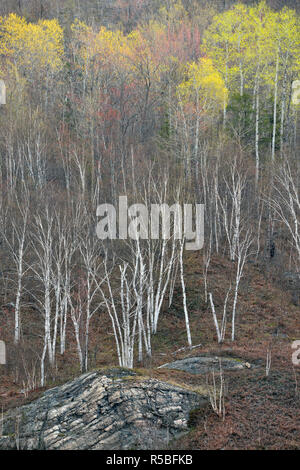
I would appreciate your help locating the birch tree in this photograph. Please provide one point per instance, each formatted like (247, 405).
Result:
(93, 278)
(231, 205)
(182, 280)
(121, 308)
(42, 246)
(286, 203)
(18, 244)
(220, 328)
(243, 247)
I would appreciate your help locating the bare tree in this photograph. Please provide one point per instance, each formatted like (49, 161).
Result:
(220, 330)
(42, 238)
(185, 309)
(243, 247)
(17, 242)
(286, 203)
(231, 206)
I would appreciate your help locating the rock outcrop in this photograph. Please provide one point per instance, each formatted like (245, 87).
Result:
(118, 410)
(203, 364)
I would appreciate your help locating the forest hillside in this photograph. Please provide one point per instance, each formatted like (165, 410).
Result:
(119, 115)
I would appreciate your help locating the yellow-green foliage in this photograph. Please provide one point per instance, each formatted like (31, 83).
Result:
(28, 44)
(203, 85)
(128, 55)
(243, 40)
(226, 40)
(104, 47)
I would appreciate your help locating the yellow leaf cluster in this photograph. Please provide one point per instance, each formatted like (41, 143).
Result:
(123, 53)
(203, 85)
(244, 39)
(29, 44)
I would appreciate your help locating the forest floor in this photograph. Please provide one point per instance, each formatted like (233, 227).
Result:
(261, 412)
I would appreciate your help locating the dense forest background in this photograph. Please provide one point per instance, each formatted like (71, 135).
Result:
(111, 12)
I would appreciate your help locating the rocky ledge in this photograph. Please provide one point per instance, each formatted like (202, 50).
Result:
(204, 364)
(115, 410)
